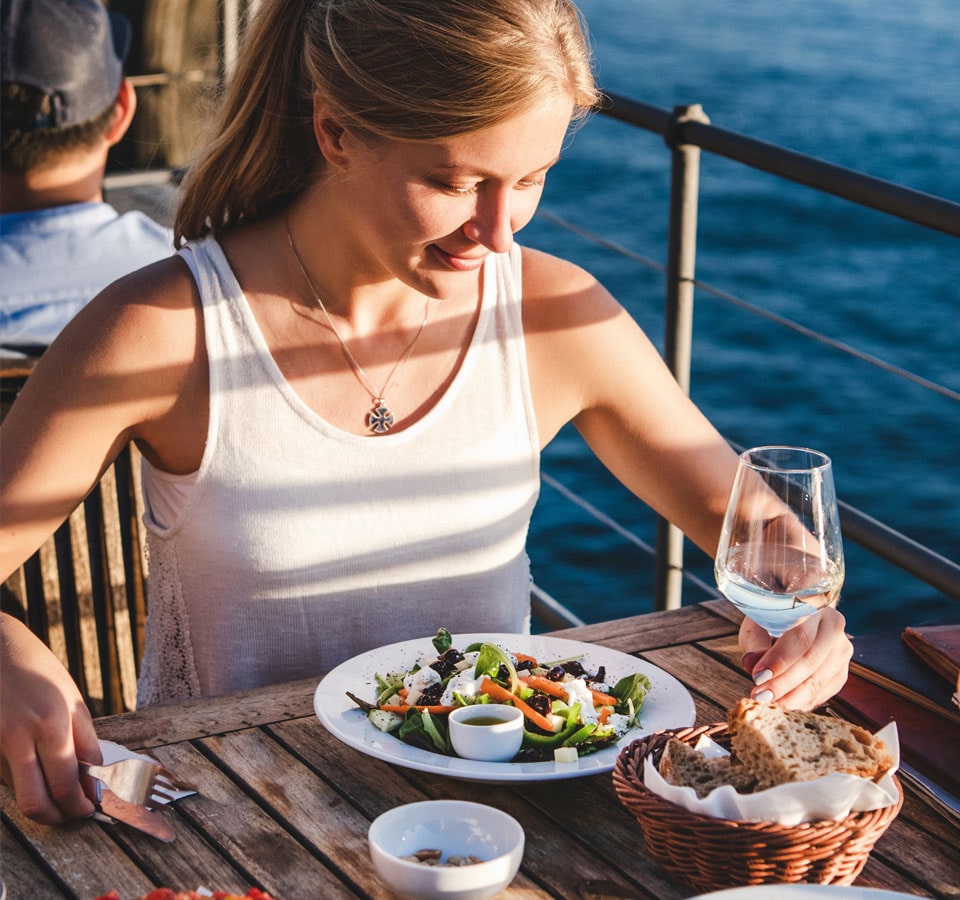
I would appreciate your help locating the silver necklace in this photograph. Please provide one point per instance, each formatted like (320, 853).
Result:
(380, 419)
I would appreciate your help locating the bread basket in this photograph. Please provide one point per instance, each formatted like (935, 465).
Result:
(706, 853)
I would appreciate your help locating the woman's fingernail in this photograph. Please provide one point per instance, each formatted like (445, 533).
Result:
(763, 676)
(763, 696)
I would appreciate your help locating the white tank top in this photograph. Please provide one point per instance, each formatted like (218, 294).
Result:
(297, 545)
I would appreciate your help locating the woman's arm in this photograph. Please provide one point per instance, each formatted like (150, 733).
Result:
(128, 367)
(590, 363)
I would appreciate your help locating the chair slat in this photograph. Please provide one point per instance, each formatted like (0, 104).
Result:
(84, 591)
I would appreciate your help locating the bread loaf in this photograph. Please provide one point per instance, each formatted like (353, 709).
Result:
(774, 745)
(779, 745)
(682, 764)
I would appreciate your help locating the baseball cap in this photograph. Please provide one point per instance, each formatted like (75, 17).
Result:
(71, 50)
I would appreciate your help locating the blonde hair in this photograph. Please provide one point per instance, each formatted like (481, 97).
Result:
(393, 69)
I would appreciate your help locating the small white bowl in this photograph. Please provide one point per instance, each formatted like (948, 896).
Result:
(453, 827)
(491, 732)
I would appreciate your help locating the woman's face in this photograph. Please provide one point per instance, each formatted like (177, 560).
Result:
(429, 212)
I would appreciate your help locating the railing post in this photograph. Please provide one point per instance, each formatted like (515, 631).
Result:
(678, 339)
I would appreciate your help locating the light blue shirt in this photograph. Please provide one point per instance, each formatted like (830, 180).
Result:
(53, 261)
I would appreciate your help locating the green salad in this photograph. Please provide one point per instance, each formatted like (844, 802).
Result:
(568, 710)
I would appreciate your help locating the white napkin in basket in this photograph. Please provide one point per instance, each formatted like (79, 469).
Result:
(833, 796)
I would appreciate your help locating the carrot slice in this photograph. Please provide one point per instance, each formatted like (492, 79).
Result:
(602, 699)
(496, 692)
(523, 657)
(556, 689)
(545, 685)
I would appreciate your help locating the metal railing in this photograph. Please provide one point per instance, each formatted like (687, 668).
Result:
(686, 131)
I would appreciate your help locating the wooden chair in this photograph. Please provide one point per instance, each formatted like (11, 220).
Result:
(84, 591)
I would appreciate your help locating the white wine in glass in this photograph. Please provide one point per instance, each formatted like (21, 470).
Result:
(780, 557)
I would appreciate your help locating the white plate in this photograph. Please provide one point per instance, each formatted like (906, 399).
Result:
(776, 891)
(668, 704)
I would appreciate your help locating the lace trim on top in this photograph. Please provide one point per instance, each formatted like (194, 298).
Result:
(169, 671)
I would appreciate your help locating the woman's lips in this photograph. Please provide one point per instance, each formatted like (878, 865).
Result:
(460, 263)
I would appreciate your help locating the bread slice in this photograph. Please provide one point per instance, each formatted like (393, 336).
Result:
(682, 765)
(779, 745)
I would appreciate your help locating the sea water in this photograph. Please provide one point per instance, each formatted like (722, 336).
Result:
(872, 86)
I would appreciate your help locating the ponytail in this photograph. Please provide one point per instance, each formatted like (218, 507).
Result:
(262, 152)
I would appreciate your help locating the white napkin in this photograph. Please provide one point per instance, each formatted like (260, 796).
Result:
(833, 796)
(113, 752)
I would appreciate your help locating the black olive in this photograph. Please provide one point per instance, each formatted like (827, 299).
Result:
(442, 667)
(541, 703)
(524, 665)
(556, 673)
(431, 696)
(503, 673)
(574, 668)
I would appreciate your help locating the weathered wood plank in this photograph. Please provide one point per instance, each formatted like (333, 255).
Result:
(82, 851)
(926, 817)
(723, 607)
(601, 824)
(728, 649)
(297, 797)
(928, 860)
(703, 674)
(660, 629)
(19, 872)
(878, 874)
(187, 864)
(158, 725)
(257, 845)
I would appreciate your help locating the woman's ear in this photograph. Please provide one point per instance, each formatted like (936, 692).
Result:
(329, 134)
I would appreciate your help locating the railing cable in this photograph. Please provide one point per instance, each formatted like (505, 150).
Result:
(614, 525)
(757, 310)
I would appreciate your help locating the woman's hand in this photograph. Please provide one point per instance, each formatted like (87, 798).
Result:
(805, 667)
(46, 729)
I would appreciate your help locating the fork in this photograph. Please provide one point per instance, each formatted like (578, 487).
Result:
(139, 781)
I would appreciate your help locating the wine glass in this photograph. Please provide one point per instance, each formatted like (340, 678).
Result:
(780, 556)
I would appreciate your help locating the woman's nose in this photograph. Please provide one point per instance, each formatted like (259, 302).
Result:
(491, 223)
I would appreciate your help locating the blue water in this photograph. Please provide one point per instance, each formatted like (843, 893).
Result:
(873, 86)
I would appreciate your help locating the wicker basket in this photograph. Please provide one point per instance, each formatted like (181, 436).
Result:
(708, 853)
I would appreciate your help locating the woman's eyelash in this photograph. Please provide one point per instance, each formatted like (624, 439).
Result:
(525, 183)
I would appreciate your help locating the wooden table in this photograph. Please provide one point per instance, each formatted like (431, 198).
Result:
(286, 807)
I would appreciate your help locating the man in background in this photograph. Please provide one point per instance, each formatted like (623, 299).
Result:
(64, 104)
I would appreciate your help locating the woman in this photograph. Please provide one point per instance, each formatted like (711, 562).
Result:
(338, 395)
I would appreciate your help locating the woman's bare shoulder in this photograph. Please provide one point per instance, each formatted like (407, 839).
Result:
(548, 275)
(150, 314)
(132, 349)
(557, 289)
(561, 297)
